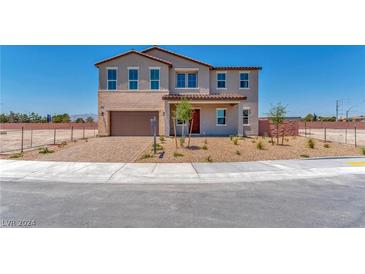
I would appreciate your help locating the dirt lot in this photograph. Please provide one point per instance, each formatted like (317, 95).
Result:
(10, 140)
(222, 149)
(337, 135)
(106, 149)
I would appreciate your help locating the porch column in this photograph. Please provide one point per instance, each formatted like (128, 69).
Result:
(240, 125)
(167, 119)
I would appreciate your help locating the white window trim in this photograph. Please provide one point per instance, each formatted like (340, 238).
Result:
(107, 79)
(239, 79)
(159, 78)
(137, 68)
(216, 117)
(186, 80)
(225, 81)
(248, 117)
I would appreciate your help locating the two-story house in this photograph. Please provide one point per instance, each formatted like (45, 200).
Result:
(137, 86)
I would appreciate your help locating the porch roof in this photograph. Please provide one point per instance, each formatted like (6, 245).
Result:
(205, 97)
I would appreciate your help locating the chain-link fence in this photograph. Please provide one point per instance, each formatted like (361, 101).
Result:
(15, 140)
(340, 132)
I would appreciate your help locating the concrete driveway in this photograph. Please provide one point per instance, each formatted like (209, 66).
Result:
(103, 149)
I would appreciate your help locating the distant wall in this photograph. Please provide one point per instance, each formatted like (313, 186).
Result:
(48, 125)
(332, 125)
(266, 128)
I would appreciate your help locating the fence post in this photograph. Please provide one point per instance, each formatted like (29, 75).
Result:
(72, 133)
(31, 138)
(355, 137)
(54, 136)
(325, 135)
(346, 135)
(22, 142)
(83, 133)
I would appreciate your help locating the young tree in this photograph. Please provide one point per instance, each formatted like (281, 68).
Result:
(61, 118)
(277, 115)
(308, 118)
(89, 119)
(184, 113)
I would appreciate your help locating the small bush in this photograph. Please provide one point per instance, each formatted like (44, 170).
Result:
(363, 151)
(182, 141)
(146, 156)
(62, 144)
(287, 140)
(16, 155)
(178, 154)
(235, 141)
(238, 152)
(311, 143)
(158, 147)
(205, 147)
(272, 142)
(231, 137)
(253, 141)
(162, 138)
(45, 150)
(260, 145)
(205, 141)
(209, 159)
(304, 155)
(326, 145)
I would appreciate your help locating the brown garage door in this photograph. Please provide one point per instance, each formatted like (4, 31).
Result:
(131, 123)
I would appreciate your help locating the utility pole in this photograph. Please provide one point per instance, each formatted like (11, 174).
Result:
(337, 102)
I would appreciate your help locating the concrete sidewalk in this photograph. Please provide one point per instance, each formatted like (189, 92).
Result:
(77, 172)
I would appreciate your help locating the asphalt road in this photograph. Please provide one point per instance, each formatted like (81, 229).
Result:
(322, 202)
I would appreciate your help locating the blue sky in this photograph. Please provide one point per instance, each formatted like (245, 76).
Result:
(58, 79)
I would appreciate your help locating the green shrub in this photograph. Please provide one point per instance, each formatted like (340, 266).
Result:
(326, 145)
(304, 155)
(253, 141)
(260, 145)
(311, 143)
(238, 152)
(178, 154)
(205, 147)
(16, 155)
(45, 150)
(363, 150)
(182, 141)
(146, 156)
(231, 137)
(205, 141)
(235, 141)
(162, 138)
(209, 159)
(158, 147)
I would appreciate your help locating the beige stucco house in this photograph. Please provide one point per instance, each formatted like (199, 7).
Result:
(136, 86)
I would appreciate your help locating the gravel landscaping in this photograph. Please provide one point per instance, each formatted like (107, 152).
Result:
(223, 149)
(210, 149)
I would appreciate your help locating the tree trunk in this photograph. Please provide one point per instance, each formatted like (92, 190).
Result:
(174, 121)
(191, 128)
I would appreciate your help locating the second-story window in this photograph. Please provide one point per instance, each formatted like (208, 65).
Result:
(112, 78)
(133, 78)
(187, 80)
(155, 78)
(221, 80)
(243, 79)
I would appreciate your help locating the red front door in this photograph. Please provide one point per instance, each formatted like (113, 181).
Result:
(196, 121)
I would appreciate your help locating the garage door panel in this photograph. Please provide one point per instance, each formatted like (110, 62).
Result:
(131, 123)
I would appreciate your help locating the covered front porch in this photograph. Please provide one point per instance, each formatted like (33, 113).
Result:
(213, 115)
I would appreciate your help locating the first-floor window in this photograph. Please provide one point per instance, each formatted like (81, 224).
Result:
(245, 116)
(133, 78)
(243, 80)
(112, 78)
(155, 78)
(220, 116)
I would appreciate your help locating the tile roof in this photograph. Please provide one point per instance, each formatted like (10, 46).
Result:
(135, 52)
(176, 54)
(237, 68)
(202, 97)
